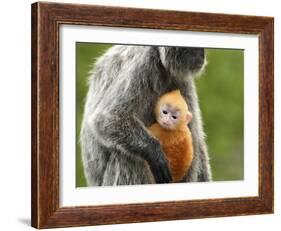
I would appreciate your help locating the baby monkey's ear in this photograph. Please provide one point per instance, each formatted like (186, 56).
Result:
(188, 117)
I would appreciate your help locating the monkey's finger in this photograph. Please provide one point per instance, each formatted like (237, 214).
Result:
(159, 177)
(167, 175)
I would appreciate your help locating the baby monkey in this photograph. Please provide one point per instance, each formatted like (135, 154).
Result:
(171, 130)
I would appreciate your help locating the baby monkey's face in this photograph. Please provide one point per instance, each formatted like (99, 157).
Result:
(171, 117)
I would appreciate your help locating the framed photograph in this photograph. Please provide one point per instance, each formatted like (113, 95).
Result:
(148, 115)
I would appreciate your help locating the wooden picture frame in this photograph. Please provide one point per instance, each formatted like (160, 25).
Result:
(46, 19)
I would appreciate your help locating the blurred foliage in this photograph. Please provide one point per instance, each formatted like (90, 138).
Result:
(221, 96)
(220, 93)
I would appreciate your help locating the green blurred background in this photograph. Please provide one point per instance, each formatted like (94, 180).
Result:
(220, 92)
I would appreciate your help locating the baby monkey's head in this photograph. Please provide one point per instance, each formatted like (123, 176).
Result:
(172, 111)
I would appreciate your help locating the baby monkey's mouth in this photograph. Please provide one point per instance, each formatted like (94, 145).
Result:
(166, 125)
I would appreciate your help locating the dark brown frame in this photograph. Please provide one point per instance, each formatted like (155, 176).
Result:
(46, 19)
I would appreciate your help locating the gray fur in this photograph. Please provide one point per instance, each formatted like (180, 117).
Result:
(123, 89)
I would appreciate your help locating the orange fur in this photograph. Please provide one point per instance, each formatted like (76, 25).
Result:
(176, 144)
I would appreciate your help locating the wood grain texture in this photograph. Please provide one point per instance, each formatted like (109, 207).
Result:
(46, 19)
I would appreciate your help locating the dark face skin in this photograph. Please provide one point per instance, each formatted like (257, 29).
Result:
(191, 58)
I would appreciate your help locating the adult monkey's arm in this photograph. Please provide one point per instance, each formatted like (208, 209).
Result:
(129, 136)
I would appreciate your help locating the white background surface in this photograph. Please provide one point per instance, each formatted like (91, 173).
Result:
(72, 196)
(16, 107)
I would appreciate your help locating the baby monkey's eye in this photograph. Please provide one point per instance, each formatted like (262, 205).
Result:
(174, 117)
(165, 112)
